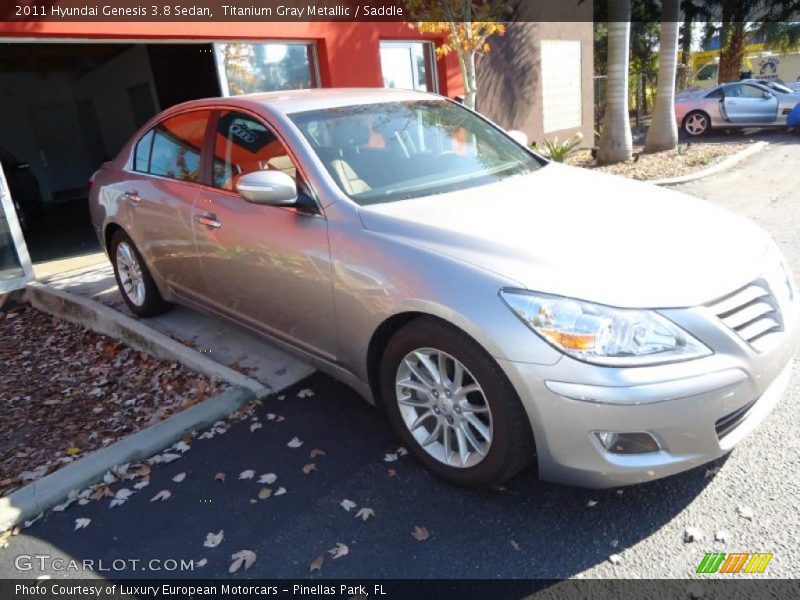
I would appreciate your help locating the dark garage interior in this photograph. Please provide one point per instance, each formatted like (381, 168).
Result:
(70, 107)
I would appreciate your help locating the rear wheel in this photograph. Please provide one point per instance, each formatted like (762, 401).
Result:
(696, 123)
(452, 405)
(135, 283)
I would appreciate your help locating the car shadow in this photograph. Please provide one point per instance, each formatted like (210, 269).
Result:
(524, 529)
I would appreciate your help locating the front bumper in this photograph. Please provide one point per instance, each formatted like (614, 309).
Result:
(697, 410)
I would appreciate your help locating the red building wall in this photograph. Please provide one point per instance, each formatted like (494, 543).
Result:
(348, 52)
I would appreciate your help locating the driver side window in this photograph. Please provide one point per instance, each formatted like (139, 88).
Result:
(243, 145)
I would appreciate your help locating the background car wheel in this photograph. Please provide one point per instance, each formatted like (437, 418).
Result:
(134, 280)
(696, 123)
(453, 406)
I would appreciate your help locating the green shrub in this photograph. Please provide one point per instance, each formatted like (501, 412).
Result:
(557, 150)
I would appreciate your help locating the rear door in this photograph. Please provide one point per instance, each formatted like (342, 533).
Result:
(749, 104)
(160, 195)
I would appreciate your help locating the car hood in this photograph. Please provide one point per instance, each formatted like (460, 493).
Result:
(573, 232)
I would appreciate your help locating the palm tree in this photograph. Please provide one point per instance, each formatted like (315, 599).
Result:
(616, 142)
(663, 132)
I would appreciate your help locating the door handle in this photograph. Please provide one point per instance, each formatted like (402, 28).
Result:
(133, 196)
(208, 219)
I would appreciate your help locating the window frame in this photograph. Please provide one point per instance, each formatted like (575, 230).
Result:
(203, 146)
(208, 161)
(431, 61)
(314, 70)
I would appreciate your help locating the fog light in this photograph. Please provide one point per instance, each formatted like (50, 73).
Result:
(628, 443)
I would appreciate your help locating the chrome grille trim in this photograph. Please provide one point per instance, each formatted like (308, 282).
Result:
(752, 312)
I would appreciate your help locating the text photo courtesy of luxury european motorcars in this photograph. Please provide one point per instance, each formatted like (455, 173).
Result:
(455, 299)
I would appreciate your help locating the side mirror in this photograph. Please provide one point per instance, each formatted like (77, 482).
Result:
(766, 95)
(520, 137)
(274, 188)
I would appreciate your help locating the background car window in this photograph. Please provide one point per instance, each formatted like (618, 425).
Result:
(141, 156)
(176, 146)
(244, 145)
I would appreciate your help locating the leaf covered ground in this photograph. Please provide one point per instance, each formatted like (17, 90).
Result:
(66, 391)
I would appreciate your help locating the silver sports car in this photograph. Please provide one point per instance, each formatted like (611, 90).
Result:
(744, 104)
(502, 310)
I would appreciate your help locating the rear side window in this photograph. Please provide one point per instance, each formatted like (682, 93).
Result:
(176, 145)
(141, 156)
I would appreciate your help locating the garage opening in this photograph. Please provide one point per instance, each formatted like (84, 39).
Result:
(67, 108)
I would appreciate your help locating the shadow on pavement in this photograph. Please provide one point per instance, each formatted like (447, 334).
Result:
(529, 529)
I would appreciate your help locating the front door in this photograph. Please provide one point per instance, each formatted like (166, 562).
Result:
(268, 267)
(746, 104)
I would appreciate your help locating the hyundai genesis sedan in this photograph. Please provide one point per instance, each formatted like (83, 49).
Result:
(502, 309)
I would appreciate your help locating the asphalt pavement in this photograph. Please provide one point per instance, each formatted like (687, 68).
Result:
(526, 529)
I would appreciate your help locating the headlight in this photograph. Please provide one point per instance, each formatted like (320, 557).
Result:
(601, 334)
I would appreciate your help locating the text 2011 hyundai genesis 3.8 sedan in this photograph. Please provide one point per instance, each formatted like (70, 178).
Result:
(503, 310)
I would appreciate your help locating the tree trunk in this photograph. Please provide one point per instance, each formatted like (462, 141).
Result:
(730, 60)
(663, 132)
(467, 64)
(616, 143)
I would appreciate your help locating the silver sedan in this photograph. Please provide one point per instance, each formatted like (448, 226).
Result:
(744, 104)
(501, 309)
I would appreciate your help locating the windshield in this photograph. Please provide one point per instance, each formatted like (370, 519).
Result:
(398, 150)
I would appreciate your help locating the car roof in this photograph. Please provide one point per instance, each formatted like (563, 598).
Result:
(294, 101)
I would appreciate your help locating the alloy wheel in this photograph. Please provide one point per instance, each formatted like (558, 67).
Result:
(696, 124)
(131, 277)
(444, 407)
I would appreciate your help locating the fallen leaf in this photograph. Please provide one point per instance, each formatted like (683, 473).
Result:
(109, 477)
(179, 477)
(244, 558)
(401, 451)
(62, 507)
(121, 497)
(309, 468)
(161, 496)
(271, 416)
(214, 539)
(392, 473)
(316, 565)
(347, 504)
(306, 393)
(255, 426)
(219, 477)
(390, 457)
(514, 545)
(264, 493)
(295, 442)
(248, 474)
(81, 523)
(317, 452)
(420, 533)
(168, 457)
(591, 503)
(280, 419)
(339, 551)
(142, 470)
(268, 478)
(281, 491)
(142, 483)
(181, 447)
(201, 563)
(72, 451)
(365, 513)
(614, 543)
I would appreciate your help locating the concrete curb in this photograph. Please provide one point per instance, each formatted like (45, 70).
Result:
(102, 319)
(718, 168)
(36, 497)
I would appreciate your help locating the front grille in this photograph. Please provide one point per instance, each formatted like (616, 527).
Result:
(731, 421)
(752, 312)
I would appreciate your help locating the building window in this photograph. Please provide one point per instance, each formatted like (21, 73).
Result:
(266, 67)
(409, 66)
(562, 99)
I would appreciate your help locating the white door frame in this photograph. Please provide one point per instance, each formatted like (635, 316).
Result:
(16, 236)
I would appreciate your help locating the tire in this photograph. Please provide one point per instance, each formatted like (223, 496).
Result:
(510, 447)
(137, 287)
(696, 123)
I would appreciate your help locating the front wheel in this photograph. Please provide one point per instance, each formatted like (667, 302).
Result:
(696, 123)
(453, 406)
